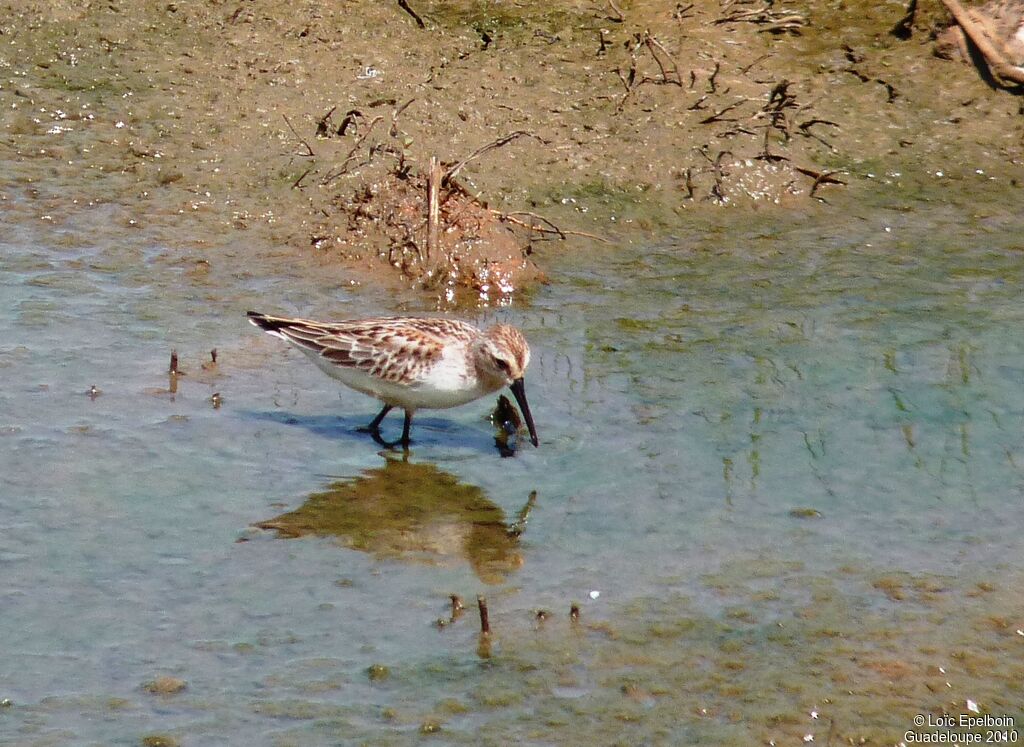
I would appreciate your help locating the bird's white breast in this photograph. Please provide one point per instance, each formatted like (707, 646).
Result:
(447, 383)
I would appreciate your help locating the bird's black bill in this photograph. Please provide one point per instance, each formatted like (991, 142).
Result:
(519, 390)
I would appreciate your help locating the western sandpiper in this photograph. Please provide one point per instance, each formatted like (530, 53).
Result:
(412, 363)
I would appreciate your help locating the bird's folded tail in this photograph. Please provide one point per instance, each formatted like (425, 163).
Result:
(268, 323)
(302, 332)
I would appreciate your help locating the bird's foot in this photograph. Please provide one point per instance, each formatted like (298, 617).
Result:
(375, 435)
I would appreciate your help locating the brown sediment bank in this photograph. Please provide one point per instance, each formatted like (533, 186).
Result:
(312, 125)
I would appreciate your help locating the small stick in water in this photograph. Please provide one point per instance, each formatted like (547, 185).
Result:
(574, 612)
(485, 624)
(483, 647)
(174, 363)
(213, 356)
(457, 609)
(457, 606)
(433, 207)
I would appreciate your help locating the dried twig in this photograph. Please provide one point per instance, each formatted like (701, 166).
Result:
(780, 97)
(322, 128)
(504, 140)
(433, 206)
(619, 16)
(905, 26)
(717, 116)
(820, 177)
(349, 120)
(711, 78)
(779, 100)
(766, 154)
(805, 129)
(660, 54)
(298, 182)
(746, 69)
(627, 81)
(995, 57)
(891, 94)
(330, 177)
(773, 21)
(679, 14)
(404, 5)
(791, 24)
(856, 57)
(396, 114)
(309, 151)
(549, 228)
(688, 179)
(653, 45)
(717, 192)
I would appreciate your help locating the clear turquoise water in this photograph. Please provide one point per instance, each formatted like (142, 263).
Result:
(787, 453)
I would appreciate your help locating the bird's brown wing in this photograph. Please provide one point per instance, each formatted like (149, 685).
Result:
(392, 349)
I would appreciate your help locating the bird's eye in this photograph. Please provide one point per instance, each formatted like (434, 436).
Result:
(503, 365)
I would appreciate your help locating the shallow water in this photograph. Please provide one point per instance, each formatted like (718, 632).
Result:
(781, 473)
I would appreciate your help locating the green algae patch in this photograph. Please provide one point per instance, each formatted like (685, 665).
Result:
(165, 685)
(159, 740)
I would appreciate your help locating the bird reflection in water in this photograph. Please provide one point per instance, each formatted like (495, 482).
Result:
(415, 512)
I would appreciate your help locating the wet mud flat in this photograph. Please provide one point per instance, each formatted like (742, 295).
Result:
(313, 126)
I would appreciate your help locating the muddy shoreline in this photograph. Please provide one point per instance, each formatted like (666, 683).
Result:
(310, 126)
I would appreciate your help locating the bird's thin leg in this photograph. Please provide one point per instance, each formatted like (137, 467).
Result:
(374, 426)
(405, 428)
(374, 429)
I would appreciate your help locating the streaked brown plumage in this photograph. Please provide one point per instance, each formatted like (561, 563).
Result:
(412, 363)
